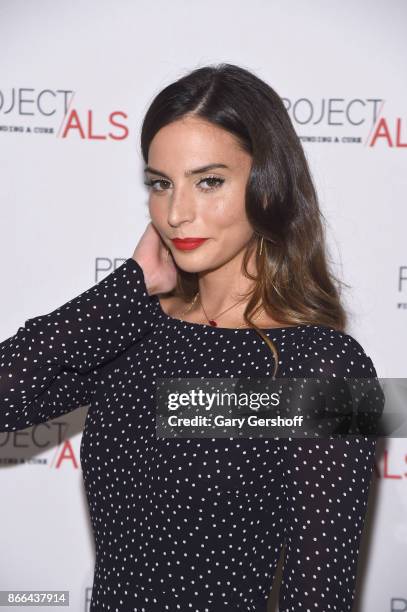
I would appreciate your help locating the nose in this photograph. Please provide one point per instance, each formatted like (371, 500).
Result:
(182, 208)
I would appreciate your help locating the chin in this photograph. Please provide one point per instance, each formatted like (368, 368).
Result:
(192, 268)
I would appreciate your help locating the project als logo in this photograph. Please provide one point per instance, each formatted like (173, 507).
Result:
(26, 110)
(105, 265)
(362, 121)
(326, 120)
(44, 444)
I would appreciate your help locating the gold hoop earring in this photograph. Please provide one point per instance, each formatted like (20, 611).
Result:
(261, 245)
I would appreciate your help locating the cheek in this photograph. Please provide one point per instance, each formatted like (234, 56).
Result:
(157, 213)
(226, 210)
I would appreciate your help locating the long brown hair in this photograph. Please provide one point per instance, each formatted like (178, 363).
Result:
(294, 283)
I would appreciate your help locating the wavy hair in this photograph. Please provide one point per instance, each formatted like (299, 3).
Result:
(293, 283)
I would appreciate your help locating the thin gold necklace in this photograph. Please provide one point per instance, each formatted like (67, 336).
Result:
(212, 322)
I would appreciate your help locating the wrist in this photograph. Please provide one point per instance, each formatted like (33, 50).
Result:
(148, 276)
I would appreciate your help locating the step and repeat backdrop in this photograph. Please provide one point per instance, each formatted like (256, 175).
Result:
(75, 82)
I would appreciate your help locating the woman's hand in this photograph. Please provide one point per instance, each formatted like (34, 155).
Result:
(160, 273)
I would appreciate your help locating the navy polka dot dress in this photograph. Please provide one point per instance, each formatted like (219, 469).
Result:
(193, 523)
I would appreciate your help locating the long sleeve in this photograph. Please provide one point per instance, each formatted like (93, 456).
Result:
(50, 365)
(327, 489)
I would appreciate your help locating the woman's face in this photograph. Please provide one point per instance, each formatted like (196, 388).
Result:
(205, 204)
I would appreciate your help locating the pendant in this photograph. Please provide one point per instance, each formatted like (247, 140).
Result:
(213, 323)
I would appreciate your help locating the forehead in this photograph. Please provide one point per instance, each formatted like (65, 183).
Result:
(190, 142)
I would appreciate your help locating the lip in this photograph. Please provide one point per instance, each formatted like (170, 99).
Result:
(186, 244)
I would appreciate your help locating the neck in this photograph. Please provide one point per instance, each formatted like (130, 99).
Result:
(221, 288)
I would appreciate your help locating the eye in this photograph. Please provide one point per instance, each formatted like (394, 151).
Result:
(214, 182)
(152, 183)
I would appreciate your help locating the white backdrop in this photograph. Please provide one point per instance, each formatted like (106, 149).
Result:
(76, 80)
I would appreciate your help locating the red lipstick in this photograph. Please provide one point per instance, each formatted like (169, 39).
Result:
(187, 244)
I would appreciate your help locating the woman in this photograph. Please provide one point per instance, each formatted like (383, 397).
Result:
(229, 279)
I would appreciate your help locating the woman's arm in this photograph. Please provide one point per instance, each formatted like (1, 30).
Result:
(50, 365)
(327, 489)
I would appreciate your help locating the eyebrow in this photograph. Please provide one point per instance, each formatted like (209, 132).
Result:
(188, 172)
